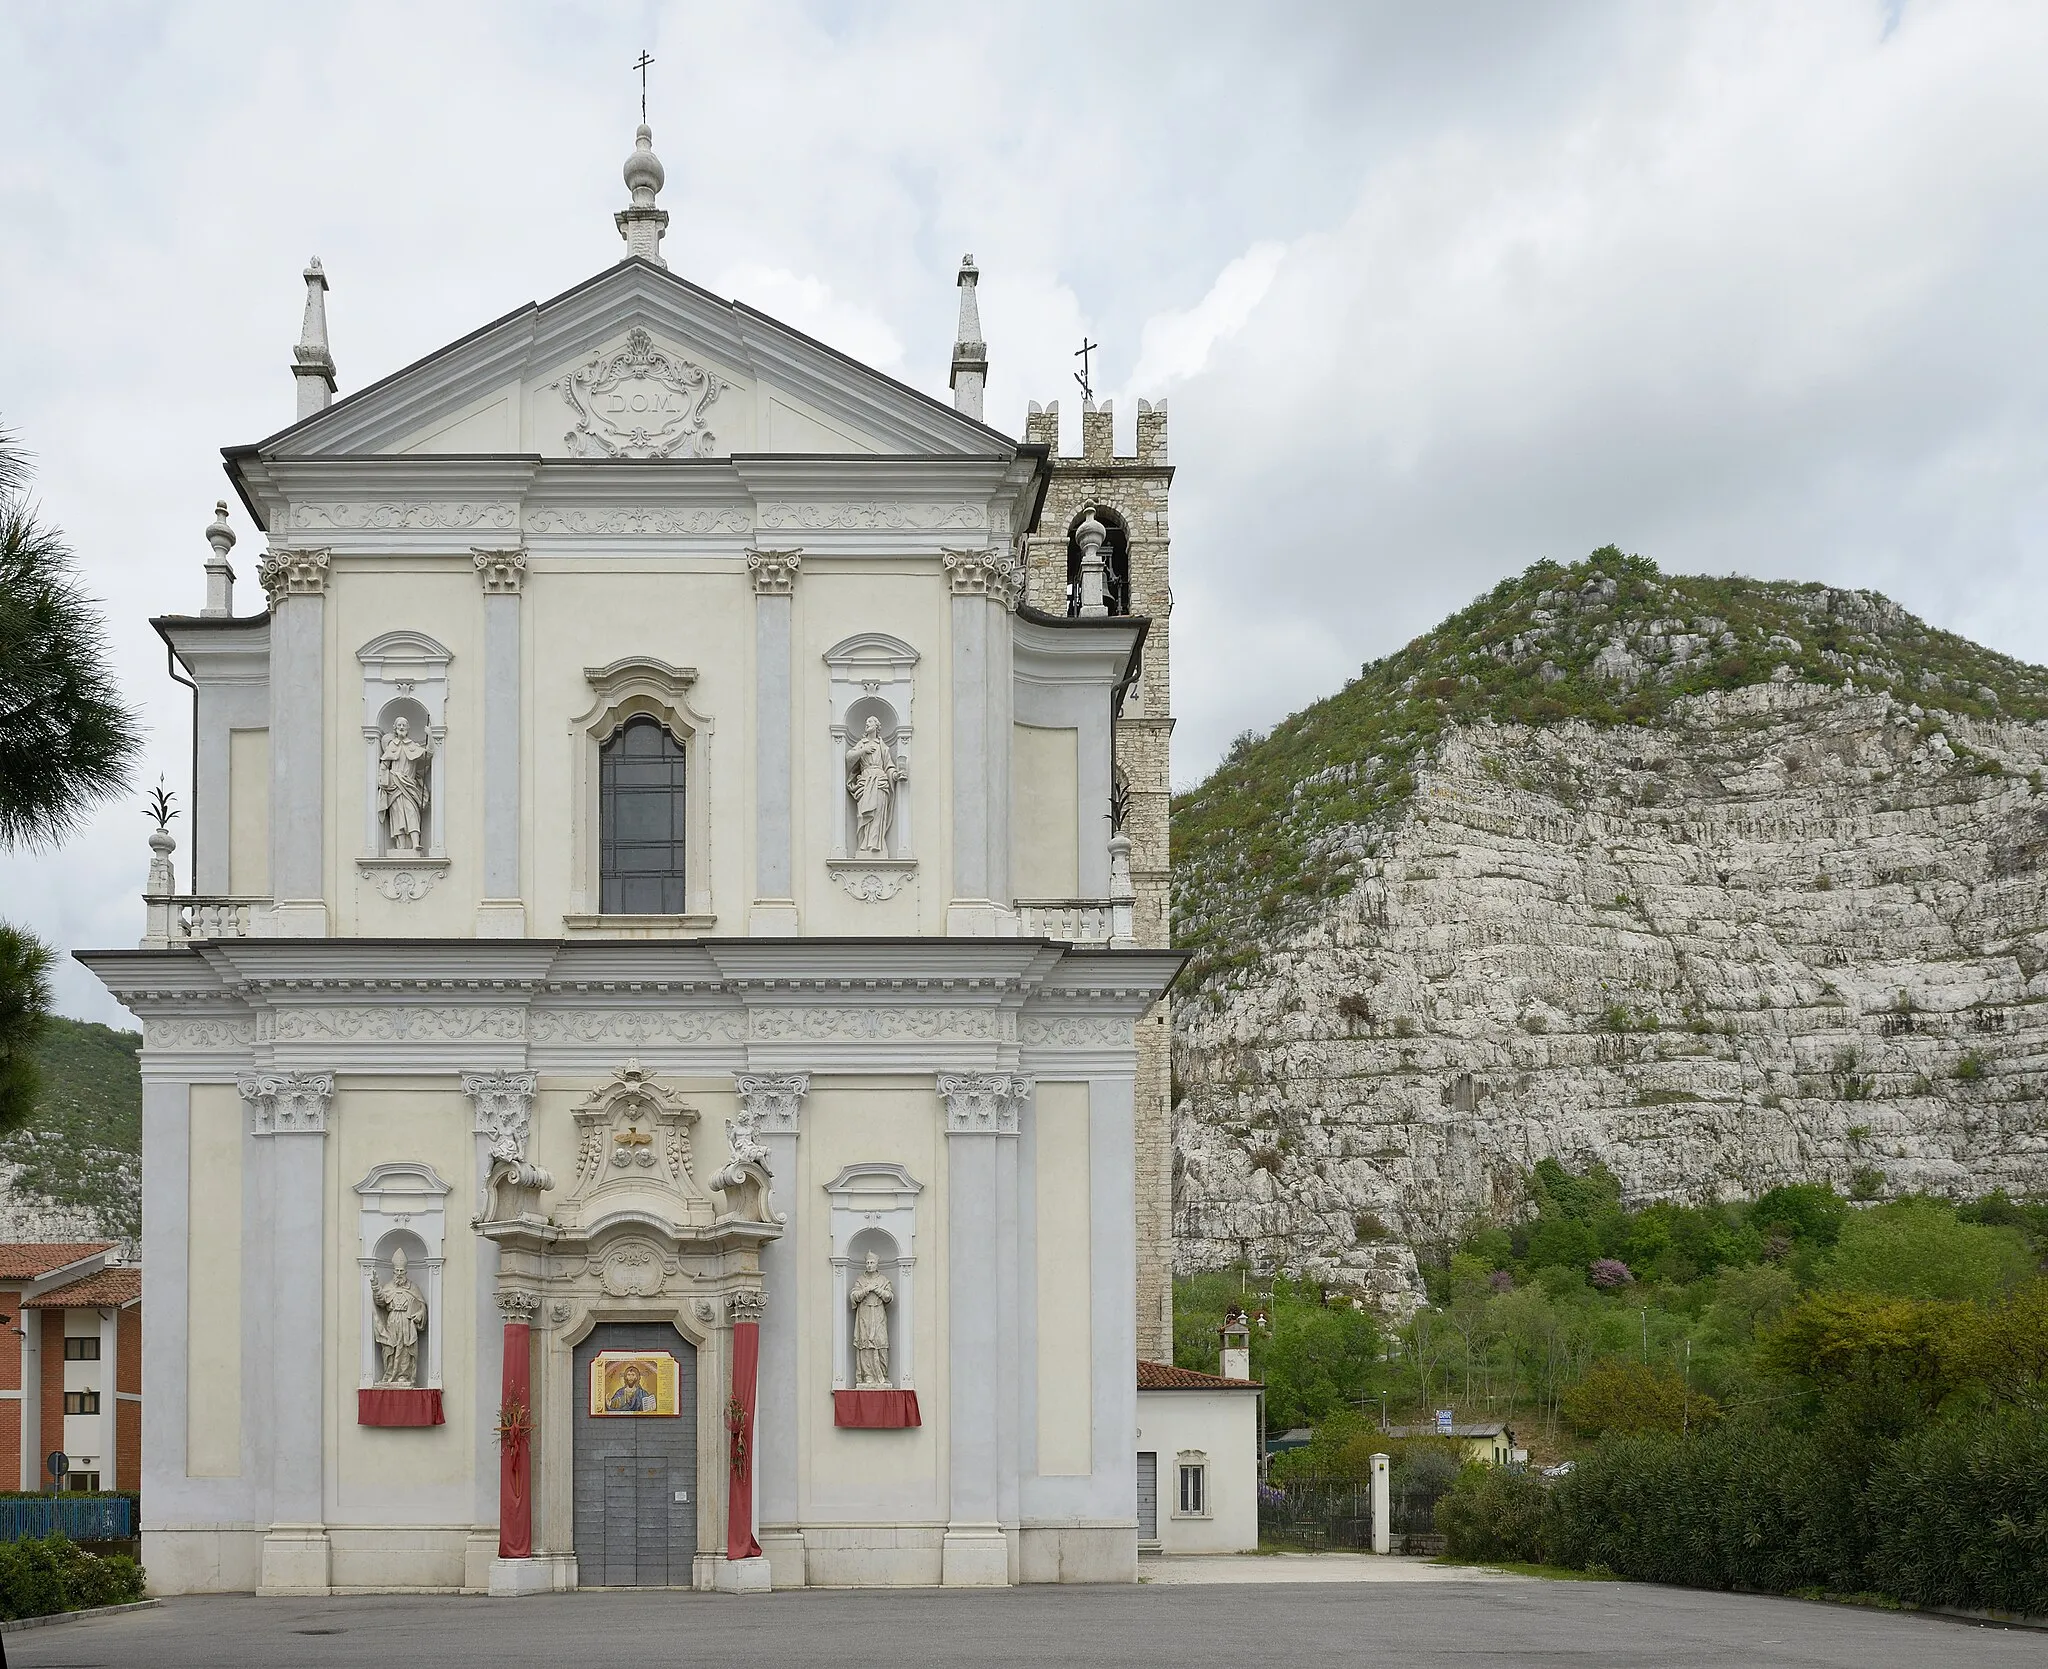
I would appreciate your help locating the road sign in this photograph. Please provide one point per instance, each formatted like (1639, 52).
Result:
(1443, 1420)
(58, 1462)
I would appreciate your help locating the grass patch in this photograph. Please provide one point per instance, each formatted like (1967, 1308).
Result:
(1515, 1567)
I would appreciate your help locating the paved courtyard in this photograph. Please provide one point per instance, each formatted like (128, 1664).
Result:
(1267, 1625)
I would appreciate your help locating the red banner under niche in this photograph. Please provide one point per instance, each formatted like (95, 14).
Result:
(398, 1405)
(875, 1410)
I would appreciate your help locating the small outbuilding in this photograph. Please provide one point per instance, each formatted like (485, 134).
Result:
(1198, 1461)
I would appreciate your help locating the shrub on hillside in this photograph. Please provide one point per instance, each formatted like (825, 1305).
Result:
(1635, 1397)
(1492, 1513)
(41, 1577)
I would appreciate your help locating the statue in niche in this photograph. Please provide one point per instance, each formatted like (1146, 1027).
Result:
(871, 1297)
(871, 779)
(401, 1319)
(402, 788)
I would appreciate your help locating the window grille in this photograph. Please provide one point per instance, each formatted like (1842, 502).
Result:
(641, 822)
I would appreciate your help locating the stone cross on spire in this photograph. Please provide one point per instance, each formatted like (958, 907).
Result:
(970, 352)
(641, 224)
(312, 363)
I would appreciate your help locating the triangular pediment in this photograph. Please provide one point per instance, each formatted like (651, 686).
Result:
(636, 363)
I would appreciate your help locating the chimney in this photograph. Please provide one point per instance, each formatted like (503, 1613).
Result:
(1237, 1346)
(220, 574)
(970, 352)
(312, 363)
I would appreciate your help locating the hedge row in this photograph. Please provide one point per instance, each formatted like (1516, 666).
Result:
(39, 1578)
(1955, 1513)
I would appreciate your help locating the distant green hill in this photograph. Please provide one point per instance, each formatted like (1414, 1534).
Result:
(1287, 820)
(82, 1147)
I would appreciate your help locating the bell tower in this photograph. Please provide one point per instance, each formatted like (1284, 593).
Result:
(1101, 548)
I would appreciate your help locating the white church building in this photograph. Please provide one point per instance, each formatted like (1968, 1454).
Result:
(657, 1074)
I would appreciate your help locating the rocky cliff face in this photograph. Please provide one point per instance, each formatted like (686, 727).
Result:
(1773, 924)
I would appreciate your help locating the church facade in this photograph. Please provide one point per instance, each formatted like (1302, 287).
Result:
(653, 1078)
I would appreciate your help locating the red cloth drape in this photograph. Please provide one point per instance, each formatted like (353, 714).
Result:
(398, 1405)
(875, 1410)
(746, 1369)
(515, 1458)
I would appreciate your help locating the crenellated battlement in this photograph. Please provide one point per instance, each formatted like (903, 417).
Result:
(1098, 433)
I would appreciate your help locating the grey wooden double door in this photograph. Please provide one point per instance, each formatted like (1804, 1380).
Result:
(636, 1476)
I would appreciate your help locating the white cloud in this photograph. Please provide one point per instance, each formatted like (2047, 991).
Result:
(1175, 345)
(809, 305)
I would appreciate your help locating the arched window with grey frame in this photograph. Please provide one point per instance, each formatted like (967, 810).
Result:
(642, 806)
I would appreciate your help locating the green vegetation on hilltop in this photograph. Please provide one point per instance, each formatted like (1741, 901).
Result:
(82, 1144)
(1279, 826)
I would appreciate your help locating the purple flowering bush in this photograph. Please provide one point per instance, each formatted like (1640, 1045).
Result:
(1609, 1273)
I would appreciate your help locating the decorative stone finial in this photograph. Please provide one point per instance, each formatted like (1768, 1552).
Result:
(1089, 534)
(312, 362)
(220, 573)
(642, 224)
(970, 352)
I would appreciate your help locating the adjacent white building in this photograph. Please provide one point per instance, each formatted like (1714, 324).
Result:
(603, 949)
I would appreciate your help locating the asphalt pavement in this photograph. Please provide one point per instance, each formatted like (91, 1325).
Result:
(1270, 1625)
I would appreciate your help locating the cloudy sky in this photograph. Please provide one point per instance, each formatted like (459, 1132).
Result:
(1435, 291)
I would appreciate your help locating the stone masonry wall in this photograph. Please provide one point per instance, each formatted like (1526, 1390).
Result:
(1136, 488)
(1795, 935)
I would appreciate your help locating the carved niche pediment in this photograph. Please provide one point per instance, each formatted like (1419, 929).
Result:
(640, 401)
(633, 1159)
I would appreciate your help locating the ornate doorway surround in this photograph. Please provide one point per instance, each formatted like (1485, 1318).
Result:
(638, 1239)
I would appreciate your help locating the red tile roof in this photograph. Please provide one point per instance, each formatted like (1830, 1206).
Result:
(112, 1287)
(1163, 1376)
(21, 1261)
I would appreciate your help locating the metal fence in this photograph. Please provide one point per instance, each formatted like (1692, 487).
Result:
(82, 1518)
(1318, 1513)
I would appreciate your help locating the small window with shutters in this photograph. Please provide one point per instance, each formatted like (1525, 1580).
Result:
(1194, 1481)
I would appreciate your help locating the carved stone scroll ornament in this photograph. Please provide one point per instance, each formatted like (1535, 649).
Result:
(402, 883)
(748, 1305)
(989, 573)
(775, 572)
(983, 1103)
(500, 571)
(640, 402)
(771, 1103)
(503, 1106)
(517, 1304)
(286, 1103)
(292, 573)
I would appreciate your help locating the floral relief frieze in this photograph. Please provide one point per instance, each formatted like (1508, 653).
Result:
(882, 1024)
(393, 1024)
(187, 1032)
(640, 518)
(411, 513)
(596, 1025)
(1076, 1031)
(872, 516)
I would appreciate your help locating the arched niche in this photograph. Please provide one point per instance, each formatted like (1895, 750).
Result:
(405, 673)
(1116, 560)
(874, 1208)
(872, 676)
(402, 1206)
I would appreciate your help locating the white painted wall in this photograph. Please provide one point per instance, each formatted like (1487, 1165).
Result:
(1223, 1427)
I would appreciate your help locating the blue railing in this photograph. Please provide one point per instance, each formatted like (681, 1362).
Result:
(83, 1518)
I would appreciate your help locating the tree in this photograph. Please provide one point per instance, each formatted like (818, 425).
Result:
(24, 998)
(1918, 1249)
(66, 740)
(1635, 1397)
